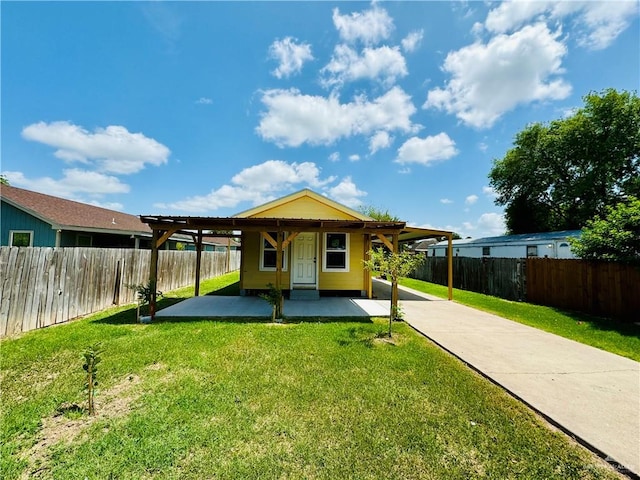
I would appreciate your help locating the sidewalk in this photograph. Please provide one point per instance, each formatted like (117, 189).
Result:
(593, 394)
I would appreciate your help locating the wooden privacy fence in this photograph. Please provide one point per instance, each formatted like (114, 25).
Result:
(599, 288)
(43, 286)
(500, 277)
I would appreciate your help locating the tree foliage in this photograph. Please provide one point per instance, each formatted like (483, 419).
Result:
(4, 180)
(393, 265)
(615, 237)
(378, 214)
(561, 174)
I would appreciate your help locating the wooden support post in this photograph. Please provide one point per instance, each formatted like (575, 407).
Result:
(279, 269)
(394, 283)
(198, 262)
(450, 265)
(153, 273)
(368, 287)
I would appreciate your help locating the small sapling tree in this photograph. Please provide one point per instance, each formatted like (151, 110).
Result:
(144, 294)
(274, 298)
(393, 265)
(91, 357)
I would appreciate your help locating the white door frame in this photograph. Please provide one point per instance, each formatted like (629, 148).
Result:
(293, 262)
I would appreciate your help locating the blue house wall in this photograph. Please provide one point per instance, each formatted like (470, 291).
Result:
(12, 218)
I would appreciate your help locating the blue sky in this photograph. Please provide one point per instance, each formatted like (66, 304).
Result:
(209, 108)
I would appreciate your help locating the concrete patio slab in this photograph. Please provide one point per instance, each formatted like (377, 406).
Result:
(218, 306)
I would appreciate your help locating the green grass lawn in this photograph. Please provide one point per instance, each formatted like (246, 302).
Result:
(606, 334)
(238, 399)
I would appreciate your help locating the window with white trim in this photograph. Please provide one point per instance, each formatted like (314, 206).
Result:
(268, 253)
(21, 238)
(532, 250)
(335, 257)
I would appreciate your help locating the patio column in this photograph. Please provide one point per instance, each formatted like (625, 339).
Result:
(394, 281)
(279, 268)
(198, 262)
(153, 273)
(450, 265)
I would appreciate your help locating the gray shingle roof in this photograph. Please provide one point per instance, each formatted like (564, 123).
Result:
(70, 215)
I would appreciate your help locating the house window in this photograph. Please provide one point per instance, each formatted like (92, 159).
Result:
(336, 252)
(532, 250)
(20, 238)
(268, 253)
(83, 240)
(486, 251)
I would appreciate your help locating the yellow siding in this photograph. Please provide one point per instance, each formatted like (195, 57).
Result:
(304, 207)
(252, 277)
(354, 278)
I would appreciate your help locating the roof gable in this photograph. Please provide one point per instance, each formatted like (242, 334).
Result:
(304, 204)
(66, 214)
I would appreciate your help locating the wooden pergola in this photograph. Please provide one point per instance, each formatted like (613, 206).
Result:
(391, 234)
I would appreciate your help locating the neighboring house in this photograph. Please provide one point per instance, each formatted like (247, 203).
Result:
(322, 243)
(32, 219)
(213, 243)
(547, 244)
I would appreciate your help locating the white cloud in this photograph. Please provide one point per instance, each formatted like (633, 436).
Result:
(598, 24)
(346, 193)
(427, 150)
(292, 118)
(369, 27)
(204, 101)
(385, 64)
(412, 41)
(257, 184)
(354, 158)
(471, 199)
(379, 141)
(445, 201)
(113, 149)
(482, 146)
(334, 157)
(491, 224)
(290, 55)
(74, 184)
(604, 21)
(491, 79)
(489, 191)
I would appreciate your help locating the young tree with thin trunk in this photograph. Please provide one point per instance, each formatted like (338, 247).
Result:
(394, 265)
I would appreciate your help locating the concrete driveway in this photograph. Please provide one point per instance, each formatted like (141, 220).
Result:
(592, 394)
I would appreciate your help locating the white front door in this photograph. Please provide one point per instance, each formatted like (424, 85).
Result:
(304, 259)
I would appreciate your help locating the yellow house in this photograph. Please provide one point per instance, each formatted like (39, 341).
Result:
(303, 243)
(326, 257)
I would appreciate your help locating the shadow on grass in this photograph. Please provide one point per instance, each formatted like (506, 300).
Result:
(625, 328)
(264, 320)
(232, 290)
(128, 316)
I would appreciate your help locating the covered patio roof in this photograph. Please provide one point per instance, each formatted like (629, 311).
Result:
(389, 233)
(190, 225)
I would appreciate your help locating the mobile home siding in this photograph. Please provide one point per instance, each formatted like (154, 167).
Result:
(15, 219)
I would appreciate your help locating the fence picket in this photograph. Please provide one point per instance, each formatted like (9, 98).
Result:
(41, 286)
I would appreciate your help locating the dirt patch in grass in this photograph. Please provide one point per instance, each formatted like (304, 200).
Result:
(70, 420)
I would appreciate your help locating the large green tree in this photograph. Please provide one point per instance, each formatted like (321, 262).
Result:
(559, 175)
(615, 237)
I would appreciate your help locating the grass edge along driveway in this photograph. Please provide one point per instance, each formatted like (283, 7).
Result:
(245, 399)
(603, 333)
